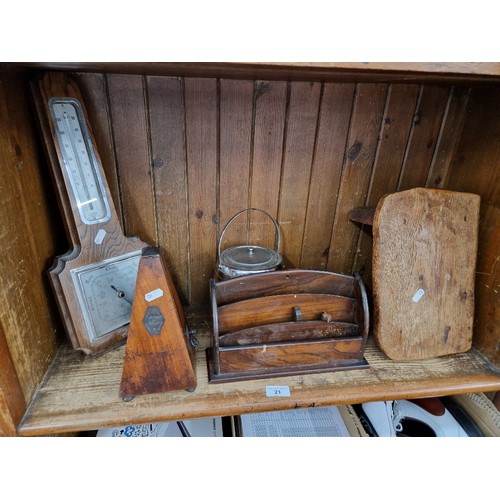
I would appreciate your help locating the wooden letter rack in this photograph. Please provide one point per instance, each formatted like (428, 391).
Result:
(159, 356)
(286, 323)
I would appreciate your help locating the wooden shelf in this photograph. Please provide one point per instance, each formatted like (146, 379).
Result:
(416, 72)
(81, 393)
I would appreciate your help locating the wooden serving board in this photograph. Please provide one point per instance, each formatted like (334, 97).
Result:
(424, 261)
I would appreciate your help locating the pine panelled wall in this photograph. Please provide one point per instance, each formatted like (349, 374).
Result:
(305, 152)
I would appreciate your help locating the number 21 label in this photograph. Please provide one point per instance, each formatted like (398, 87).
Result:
(277, 391)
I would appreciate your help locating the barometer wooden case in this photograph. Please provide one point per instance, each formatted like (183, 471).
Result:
(94, 281)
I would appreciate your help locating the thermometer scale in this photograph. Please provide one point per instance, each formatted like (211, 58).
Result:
(80, 160)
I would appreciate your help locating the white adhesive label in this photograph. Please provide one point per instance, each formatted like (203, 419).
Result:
(418, 295)
(154, 295)
(277, 391)
(99, 236)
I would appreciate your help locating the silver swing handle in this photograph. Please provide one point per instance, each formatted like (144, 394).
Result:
(239, 213)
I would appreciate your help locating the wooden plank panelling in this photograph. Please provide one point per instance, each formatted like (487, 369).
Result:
(487, 300)
(93, 87)
(7, 423)
(236, 120)
(30, 231)
(296, 170)
(363, 138)
(201, 141)
(168, 152)
(423, 137)
(306, 153)
(270, 109)
(396, 125)
(476, 165)
(333, 127)
(476, 169)
(451, 131)
(12, 402)
(130, 131)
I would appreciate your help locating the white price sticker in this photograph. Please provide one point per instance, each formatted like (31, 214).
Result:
(277, 391)
(418, 295)
(154, 295)
(99, 236)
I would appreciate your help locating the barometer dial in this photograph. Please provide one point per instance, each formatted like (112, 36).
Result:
(107, 290)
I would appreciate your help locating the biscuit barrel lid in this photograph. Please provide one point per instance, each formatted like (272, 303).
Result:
(248, 259)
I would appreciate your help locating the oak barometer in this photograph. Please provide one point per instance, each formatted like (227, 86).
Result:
(93, 282)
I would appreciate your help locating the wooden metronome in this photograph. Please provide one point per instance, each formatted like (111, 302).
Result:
(159, 355)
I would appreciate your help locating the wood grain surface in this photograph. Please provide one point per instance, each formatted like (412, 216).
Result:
(279, 308)
(201, 150)
(12, 402)
(236, 123)
(62, 403)
(436, 72)
(156, 360)
(289, 355)
(31, 233)
(168, 152)
(356, 173)
(278, 332)
(306, 153)
(424, 261)
(398, 118)
(332, 131)
(128, 109)
(290, 281)
(298, 153)
(477, 170)
(268, 134)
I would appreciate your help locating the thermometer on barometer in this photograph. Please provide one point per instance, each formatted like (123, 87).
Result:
(80, 160)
